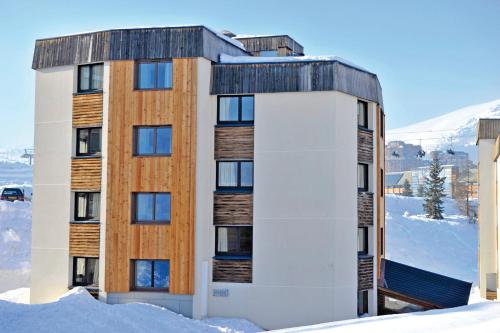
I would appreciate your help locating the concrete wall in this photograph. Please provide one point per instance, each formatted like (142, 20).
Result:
(182, 304)
(487, 213)
(50, 274)
(305, 214)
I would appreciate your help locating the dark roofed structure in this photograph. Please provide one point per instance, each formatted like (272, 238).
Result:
(422, 288)
(256, 44)
(392, 179)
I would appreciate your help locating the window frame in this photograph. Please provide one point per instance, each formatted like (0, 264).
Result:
(233, 254)
(365, 185)
(365, 309)
(137, 73)
(382, 123)
(90, 90)
(240, 111)
(154, 221)
(73, 282)
(86, 219)
(364, 251)
(78, 130)
(134, 271)
(238, 187)
(155, 128)
(366, 123)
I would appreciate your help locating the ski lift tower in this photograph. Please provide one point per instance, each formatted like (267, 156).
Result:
(29, 153)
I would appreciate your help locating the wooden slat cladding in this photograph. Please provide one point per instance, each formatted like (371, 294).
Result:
(248, 78)
(233, 208)
(488, 129)
(87, 110)
(268, 43)
(234, 142)
(365, 209)
(237, 271)
(365, 272)
(127, 174)
(491, 295)
(86, 174)
(84, 239)
(365, 146)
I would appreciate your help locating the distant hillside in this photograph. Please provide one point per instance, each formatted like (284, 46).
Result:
(459, 125)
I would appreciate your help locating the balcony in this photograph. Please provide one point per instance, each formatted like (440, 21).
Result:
(365, 272)
(365, 145)
(235, 270)
(365, 209)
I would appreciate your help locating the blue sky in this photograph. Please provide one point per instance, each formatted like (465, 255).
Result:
(431, 56)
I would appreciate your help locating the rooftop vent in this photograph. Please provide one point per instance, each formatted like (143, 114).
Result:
(228, 33)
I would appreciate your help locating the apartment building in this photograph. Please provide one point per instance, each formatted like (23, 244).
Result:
(488, 144)
(178, 166)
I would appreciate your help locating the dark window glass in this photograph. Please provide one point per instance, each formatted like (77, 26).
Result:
(235, 174)
(362, 177)
(87, 206)
(88, 141)
(382, 123)
(362, 302)
(233, 241)
(236, 109)
(154, 75)
(362, 240)
(382, 241)
(153, 140)
(85, 271)
(382, 182)
(152, 207)
(152, 274)
(90, 77)
(362, 114)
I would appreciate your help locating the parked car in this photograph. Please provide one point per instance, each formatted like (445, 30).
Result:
(12, 194)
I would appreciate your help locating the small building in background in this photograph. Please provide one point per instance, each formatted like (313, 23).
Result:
(449, 171)
(394, 182)
(401, 156)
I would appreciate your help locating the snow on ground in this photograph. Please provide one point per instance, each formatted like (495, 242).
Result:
(15, 244)
(20, 295)
(77, 311)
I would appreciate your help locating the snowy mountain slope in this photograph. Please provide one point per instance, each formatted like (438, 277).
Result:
(459, 125)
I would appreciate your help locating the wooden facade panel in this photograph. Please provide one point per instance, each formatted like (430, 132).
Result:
(86, 174)
(175, 174)
(84, 239)
(237, 271)
(233, 208)
(87, 110)
(365, 209)
(234, 142)
(365, 272)
(365, 146)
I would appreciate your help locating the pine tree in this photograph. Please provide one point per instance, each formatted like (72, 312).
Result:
(434, 191)
(407, 191)
(420, 190)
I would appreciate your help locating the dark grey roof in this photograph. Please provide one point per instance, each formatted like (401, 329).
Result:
(423, 285)
(273, 77)
(392, 179)
(130, 44)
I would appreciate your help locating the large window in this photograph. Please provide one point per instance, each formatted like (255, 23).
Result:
(88, 141)
(235, 110)
(85, 271)
(362, 302)
(233, 241)
(151, 207)
(362, 114)
(153, 140)
(90, 78)
(151, 274)
(154, 74)
(362, 240)
(235, 175)
(87, 206)
(362, 177)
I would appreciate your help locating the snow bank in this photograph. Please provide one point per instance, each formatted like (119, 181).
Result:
(77, 311)
(20, 295)
(447, 247)
(15, 244)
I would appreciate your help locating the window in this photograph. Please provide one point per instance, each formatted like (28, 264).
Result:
(151, 274)
(362, 240)
(382, 234)
(154, 75)
(271, 53)
(153, 140)
(90, 78)
(382, 182)
(88, 141)
(151, 208)
(235, 174)
(85, 271)
(233, 241)
(235, 110)
(362, 114)
(362, 177)
(87, 206)
(382, 123)
(362, 302)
